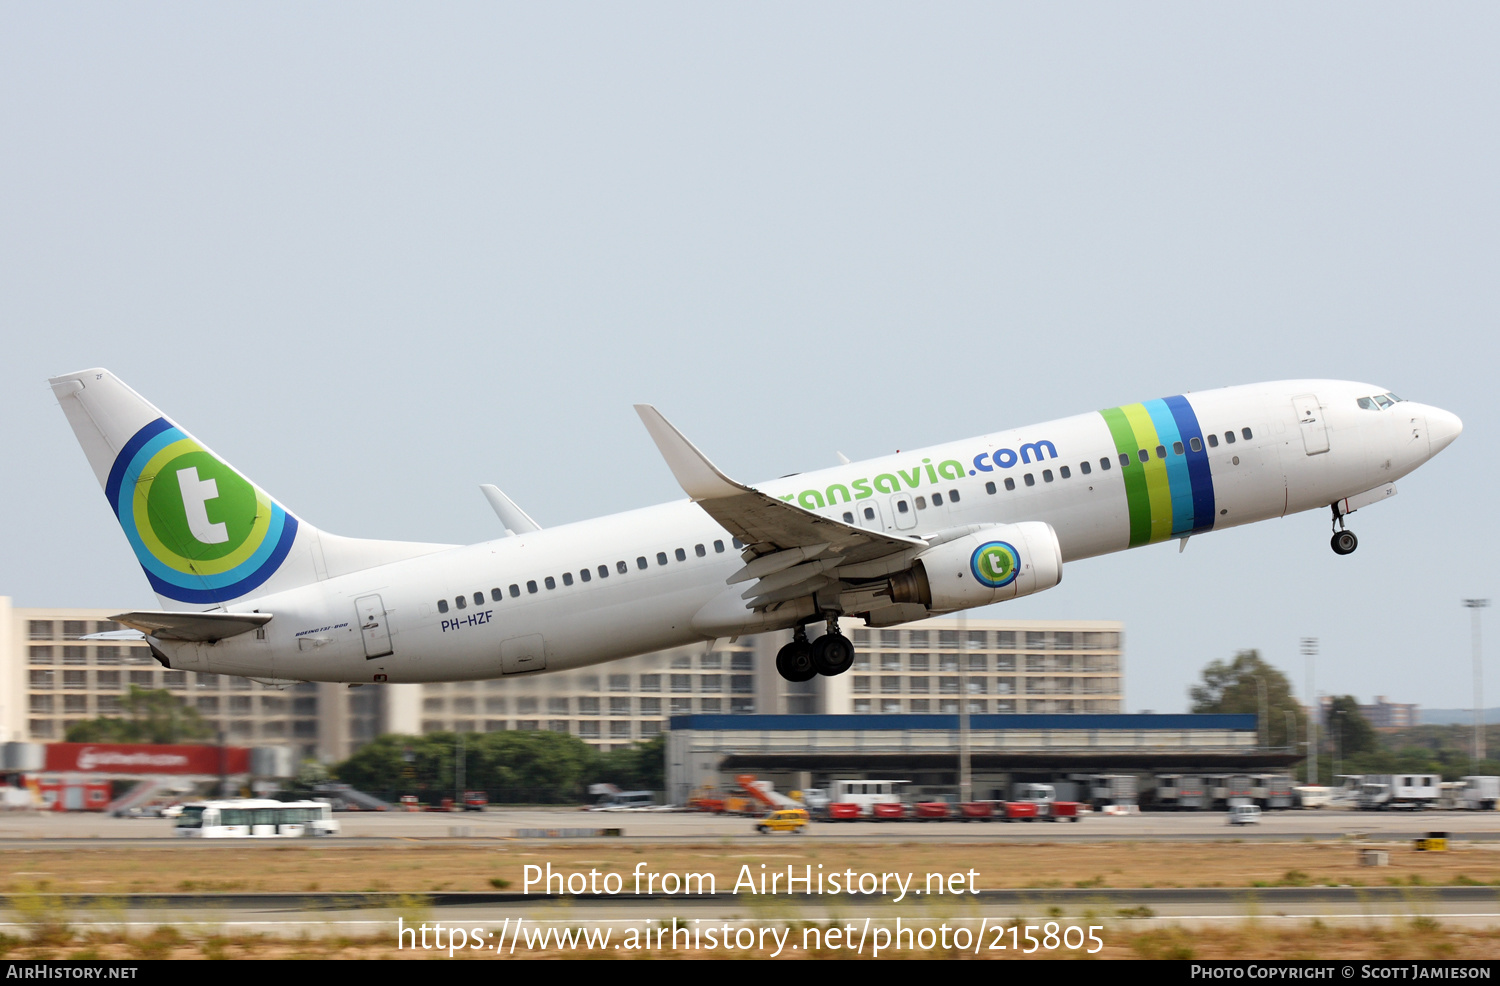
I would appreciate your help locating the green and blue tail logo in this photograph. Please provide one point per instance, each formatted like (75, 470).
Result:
(202, 532)
(995, 564)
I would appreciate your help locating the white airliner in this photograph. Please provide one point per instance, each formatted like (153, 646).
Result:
(250, 589)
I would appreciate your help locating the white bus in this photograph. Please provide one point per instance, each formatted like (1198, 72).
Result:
(255, 819)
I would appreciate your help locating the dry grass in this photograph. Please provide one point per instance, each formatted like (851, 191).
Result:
(1420, 939)
(427, 868)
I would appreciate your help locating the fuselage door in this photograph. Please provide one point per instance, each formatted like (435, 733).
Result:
(1310, 418)
(904, 511)
(372, 626)
(867, 513)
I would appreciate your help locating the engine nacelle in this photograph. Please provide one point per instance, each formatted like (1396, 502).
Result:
(997, 563)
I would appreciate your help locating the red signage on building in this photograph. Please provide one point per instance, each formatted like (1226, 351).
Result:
(146, 758)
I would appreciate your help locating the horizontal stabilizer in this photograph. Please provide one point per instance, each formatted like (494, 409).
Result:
(203, 627)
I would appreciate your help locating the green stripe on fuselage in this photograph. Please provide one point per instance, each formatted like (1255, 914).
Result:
(1158, 484)
(1137, 497)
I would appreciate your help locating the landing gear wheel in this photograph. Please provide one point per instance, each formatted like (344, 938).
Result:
(794, 662)
(1344, 542)
(832, 654)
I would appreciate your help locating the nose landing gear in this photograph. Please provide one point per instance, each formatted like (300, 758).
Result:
(1344, 542)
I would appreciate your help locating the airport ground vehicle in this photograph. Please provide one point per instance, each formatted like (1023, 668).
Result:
(1412, 792)
(255, 818)
(783, 820)
(1244, 815)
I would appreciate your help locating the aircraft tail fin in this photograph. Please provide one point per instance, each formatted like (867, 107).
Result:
(204, 534)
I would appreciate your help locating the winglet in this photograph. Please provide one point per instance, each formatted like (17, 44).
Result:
(698, 477)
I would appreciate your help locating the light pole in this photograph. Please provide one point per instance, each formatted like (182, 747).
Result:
(1338, 744)
(1310, 651)
(1261, 723)
(1474, 606)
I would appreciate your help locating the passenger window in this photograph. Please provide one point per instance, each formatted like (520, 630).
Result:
(937, 499)
(1161, 451)
(1104, 464)
(1084, 467)
(1046, 475)
(531, 585)
(550, 582)
(848, 517)
(1228, 438)
(496, 594)
(460, 602)
(869, 513)
(738, 544)
(700, 551)
(1010, 482)
(681, 555)
(442, 605)
(1176, 448)
(661, 557)
(922, 501)
(515, 590)
(640, 562)
(1030, 479)
(989, 488)
(1245, 434)
(1195, 445)
(718, 547)
(953, 496)
(1124, 460)
(567, 579)
(478, 599)
(1213, 441)
(1064, 472)
(585, 574)
(903, 507)
(1144, 455)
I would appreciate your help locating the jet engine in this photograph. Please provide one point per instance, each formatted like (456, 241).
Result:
(993, 564)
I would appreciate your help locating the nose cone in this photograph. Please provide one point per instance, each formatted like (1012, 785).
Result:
(1442, 428)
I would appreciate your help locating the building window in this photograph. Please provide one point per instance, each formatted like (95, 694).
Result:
(650, 682)
(41, 655)
(861, 685)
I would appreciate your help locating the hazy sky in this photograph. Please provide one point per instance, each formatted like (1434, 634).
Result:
(378, 254)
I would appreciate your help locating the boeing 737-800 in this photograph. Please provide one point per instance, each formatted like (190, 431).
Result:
(248, 588)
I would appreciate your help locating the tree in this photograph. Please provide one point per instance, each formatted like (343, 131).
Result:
(1236, 686)
(1349, 732)
(149, 717)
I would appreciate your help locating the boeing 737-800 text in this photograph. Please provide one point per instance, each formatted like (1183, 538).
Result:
(248, 588)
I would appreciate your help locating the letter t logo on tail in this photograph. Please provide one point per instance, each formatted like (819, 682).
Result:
(195, 496)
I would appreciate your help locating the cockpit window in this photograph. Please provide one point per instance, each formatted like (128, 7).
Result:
(1379, 402)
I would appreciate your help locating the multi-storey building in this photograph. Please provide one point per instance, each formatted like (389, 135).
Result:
(51, 679)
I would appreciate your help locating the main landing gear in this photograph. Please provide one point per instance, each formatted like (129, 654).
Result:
(802, 660)
(1344, 542)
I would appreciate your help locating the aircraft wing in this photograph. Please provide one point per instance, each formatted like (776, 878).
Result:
(792, 552)
(204, 627)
